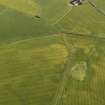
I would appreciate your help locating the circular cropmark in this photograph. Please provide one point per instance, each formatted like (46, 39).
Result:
(78, 71)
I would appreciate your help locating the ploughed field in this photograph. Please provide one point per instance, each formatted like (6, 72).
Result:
(52, 53)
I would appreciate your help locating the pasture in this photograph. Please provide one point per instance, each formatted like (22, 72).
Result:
(52, 53)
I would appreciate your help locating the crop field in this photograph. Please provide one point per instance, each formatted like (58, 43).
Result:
(52, 53)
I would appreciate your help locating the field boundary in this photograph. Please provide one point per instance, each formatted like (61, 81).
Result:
(96, 8)
(61, 86)
(62, 17)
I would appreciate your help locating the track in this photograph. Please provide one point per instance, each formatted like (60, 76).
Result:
(62, 85)
(69, 10)
(97, 9)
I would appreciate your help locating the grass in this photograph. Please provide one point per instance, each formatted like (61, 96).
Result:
(57, 59)
(31, 71)
(24, 6)
(17, 26)
(58, 9)
(79, 71)
(99, 4)
(80, 15)
(19, 70)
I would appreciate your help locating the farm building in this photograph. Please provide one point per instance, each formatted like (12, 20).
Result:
(76, 2)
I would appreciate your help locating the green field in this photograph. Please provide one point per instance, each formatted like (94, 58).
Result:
(52, 53)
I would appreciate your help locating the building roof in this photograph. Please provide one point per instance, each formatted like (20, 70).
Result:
(75, 2)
